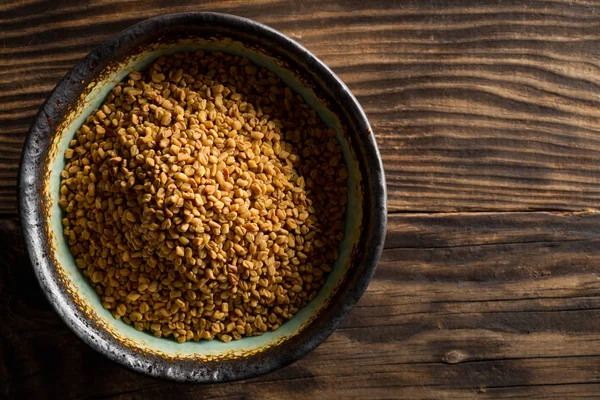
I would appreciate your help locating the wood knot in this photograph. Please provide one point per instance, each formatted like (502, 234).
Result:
(454, 357)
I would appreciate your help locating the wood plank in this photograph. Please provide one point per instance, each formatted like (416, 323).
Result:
(475, 305)
(477, 106)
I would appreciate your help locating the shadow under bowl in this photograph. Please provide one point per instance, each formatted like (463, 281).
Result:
(86, 87)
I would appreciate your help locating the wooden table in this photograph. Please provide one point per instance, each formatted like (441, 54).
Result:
(487, 114)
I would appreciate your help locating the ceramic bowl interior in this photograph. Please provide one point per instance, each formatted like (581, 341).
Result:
(77, 282)
(84, 90)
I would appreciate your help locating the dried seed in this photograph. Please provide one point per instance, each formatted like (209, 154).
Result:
(204, 199)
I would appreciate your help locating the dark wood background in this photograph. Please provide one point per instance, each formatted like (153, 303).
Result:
(487, 114)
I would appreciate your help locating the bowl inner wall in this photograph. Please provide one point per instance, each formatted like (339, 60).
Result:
(77, 282)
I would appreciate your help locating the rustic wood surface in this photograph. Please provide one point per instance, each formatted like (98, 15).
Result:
(487, 114)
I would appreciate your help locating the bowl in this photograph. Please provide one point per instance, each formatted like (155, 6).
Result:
(86, 86)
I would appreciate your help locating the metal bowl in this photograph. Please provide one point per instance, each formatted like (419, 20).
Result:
(86, 86)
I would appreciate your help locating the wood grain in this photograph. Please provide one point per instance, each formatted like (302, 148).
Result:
(487, 115)
(475, 305)
(476, 105)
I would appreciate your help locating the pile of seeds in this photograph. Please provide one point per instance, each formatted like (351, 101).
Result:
(204, 199)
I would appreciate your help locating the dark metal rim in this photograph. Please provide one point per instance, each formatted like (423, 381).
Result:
(33, 223)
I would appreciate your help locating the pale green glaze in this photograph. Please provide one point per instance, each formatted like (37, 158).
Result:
(78, 282)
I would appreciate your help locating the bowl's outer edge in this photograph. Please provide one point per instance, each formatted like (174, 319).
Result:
(33, 223)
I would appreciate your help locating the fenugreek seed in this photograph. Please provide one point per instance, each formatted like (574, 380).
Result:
(97, 276)
(135, 316)
(230, 326)
(181, 177)
(194, 213)
(133, 296)
(218, 315)
(166, 119)
(144, 307)
(157, 78)
(226, 338)
(153, 287)
(121, 309)
(291, 224)
(155, 327)
(257, 135)
(136, 76)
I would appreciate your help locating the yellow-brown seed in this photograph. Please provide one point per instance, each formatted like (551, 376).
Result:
(202, 205)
